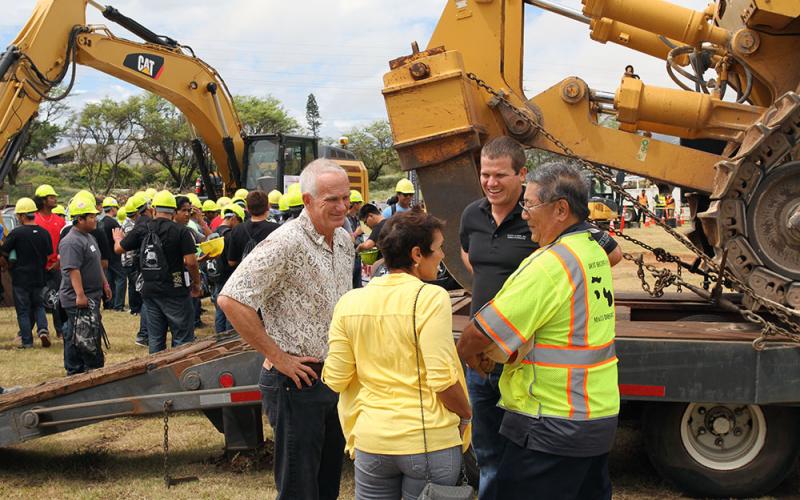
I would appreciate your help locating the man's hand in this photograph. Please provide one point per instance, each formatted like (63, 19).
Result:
(81, 301)
(293, 367)
(117, 234)
(197, 291)
(476, 363)
(107, 290)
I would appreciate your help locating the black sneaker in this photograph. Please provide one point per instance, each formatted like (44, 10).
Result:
(141, 342)
(45, 339)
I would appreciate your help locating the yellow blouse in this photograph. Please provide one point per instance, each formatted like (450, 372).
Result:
(371, 363)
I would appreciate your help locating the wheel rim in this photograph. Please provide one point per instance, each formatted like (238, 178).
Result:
(723, 436)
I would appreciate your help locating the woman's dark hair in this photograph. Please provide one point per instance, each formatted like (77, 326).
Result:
(257, 202)
(404, 231)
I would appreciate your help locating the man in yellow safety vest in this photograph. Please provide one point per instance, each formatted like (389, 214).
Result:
(553, 325)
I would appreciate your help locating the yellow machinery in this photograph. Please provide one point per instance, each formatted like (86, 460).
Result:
(466, 87)
(56, 38)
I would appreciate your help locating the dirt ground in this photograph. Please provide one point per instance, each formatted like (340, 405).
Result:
(123, 457)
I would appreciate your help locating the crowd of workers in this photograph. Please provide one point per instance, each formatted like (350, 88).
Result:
(373, 371)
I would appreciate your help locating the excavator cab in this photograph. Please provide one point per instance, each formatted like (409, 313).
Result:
(275, 160)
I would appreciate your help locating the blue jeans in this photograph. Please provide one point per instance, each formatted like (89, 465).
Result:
(484, 395)
(381, 476)
(28, 304)
(309, 445)
(175, 313)
(53, 279)
(76, 361)
(221, 323)
(134, 297)
(115, 275)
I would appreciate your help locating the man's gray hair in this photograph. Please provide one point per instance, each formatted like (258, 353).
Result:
(310, 174)
(560, 180)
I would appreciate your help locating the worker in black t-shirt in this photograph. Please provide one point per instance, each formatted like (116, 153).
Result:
(232, 217)
(168, 299)
(371, 216)
(245, 236)
(114, 273)
(26, 249)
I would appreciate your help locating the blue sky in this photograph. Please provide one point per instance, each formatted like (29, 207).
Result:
(337, 49)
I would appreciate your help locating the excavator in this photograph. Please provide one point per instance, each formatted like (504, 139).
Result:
(56, 38)
(466, 87)
(707, 375)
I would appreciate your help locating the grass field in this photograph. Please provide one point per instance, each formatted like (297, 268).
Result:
(122, 457)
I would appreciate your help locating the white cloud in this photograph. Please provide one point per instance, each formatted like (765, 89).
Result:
(339, 49)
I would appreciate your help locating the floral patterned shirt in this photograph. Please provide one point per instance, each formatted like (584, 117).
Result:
(295, 279)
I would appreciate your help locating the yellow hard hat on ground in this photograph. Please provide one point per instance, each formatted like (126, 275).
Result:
(295, 199)
(405, 186)
(45, 190)
(355, 197)
(233, 209)
(283, 203)
(26, 206)
(274, 197)
(210, 206)
(109, 202)
(59, 210)
(223, 202)
(81, 204)
(164, 199)
(240, 193)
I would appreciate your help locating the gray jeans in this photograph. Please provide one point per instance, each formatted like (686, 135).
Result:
(392, 476)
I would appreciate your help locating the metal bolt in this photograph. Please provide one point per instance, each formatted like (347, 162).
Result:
(701, 410)
(191, 381)
(419, 71)
(701, 431)
(737, 431)
(30, 419)
(719, 442)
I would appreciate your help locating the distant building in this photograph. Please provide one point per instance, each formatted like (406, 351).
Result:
(66, 154)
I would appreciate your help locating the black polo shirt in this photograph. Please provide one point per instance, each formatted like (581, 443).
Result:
(496, 251)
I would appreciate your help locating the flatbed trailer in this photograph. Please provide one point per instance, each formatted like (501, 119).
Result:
(719, 417)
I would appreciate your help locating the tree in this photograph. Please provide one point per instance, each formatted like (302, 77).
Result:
(44, 133)
(264, 115)
(165, 138)
(312, 115)
(105, 137)
(373, 145)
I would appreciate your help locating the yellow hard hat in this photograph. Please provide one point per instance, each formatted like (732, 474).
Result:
(83, 203)
(210, 206)
(196, 203)
(233, 209)
(212, 247)
(136, 202)
(110, 202)
(293, 187)
(223, 202)
(237, 200)
(122, 214)
(45, 190)
(274, 197)
(283, 203)
(164, 199)
(405, 186)
(150, 192)
(26, 206)
(355, 197)
(240, 193)
(295, 199)
(59, 210)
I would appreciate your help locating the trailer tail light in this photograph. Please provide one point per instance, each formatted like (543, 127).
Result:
(226, 380)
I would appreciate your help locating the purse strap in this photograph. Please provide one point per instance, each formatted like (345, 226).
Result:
(419, 384)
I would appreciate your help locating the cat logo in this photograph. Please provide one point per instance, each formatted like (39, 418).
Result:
(146, 64)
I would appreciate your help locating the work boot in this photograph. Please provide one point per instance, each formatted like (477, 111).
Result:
(44, 338)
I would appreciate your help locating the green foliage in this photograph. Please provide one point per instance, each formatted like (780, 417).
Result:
(44, 133)
(312, 115)
(373, 145)
(264, 115)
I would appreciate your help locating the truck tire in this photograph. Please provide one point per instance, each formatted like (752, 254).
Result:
(722, 450)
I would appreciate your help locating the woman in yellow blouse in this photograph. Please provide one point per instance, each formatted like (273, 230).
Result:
(372, 364)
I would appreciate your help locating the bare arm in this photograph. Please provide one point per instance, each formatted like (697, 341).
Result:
(470, 348)
(615, 256)
(247, 323)
(465, 260)
(77, 284)
(190, 261)
(455, 400)
(367, 245)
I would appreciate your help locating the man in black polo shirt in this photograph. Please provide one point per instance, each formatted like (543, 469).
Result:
(245, 236)
(494, 241)
(168, 299)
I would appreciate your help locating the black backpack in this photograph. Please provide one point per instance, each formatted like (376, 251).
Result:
(250, 245)
(152, 260)
(213, 267)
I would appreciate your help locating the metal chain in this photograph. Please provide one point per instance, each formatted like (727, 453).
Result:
(167, 406)
(663, 278)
